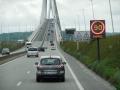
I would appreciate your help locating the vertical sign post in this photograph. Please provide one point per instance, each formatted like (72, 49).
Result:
(97, 31)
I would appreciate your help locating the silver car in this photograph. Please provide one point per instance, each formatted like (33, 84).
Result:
(32, 51)
(50, 67)
(5, 51)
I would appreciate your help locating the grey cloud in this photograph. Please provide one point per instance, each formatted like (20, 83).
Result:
(19, 11)
(29, 11)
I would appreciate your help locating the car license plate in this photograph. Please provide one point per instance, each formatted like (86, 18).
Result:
(50, 73)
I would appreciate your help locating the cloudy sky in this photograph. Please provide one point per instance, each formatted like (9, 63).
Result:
(27, 12)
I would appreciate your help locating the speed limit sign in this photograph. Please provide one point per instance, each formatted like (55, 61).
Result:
(97, 28)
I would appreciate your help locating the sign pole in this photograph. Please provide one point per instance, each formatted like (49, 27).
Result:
(77, 44)
(97, 31)
(98, 49)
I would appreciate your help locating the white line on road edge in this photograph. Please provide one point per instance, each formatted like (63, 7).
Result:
(19, 83)
(74, 76)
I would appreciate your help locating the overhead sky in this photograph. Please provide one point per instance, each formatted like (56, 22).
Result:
(27, 12)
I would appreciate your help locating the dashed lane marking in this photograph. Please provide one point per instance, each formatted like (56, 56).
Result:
(28, 72)
(19, 83)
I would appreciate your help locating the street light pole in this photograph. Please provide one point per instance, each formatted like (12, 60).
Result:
(78, 22)
(92, 9)
(111, 15)
(84, 19)
(1, 36)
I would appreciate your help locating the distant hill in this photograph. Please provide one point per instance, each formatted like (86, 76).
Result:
(83, 35)
(23, 35)
(14, 36)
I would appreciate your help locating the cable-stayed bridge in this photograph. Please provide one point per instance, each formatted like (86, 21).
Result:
(49, 21)
(19, 74)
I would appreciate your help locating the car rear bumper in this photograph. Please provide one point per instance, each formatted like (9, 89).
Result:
(32, 54)
(6, 53)
(50, 75)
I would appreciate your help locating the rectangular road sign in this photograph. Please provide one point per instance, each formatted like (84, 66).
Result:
(97, 29)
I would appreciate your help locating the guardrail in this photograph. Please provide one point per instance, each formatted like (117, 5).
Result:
(11, 57)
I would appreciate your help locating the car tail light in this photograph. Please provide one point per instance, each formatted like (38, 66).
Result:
(39, 67)
(59, 66)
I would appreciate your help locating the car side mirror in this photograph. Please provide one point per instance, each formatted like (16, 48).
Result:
(64, 63)
(36, 63)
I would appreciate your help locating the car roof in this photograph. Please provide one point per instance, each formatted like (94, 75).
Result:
(33, 47)
(5, 48)
(28, 42)
(52, 56)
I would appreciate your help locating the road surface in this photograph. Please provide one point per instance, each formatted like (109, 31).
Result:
(20, 73)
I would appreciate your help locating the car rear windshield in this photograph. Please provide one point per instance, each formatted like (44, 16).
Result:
(50, 61)
(32, 49)
(28, 44)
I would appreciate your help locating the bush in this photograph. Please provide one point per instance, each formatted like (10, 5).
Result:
(11, 45)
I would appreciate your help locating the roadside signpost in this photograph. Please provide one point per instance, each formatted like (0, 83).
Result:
(70, 33)
(97, 31)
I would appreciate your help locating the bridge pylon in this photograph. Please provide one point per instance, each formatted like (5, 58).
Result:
(49, 11)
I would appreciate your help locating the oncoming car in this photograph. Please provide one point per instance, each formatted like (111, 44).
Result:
(32, 51)
(50, 67)
(5, 51)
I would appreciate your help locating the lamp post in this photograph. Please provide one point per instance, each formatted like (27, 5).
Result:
(1, 36)
(92, 9)
(111, 15)
(84, 19)
(78, 18)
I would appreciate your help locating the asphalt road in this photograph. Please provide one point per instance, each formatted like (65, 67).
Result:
(20, 73)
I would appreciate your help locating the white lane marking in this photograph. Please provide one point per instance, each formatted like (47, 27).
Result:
(19, 83)
(74, 76)
(28, 72)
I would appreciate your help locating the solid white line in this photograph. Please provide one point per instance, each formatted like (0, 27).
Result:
(28, 72)
(19, 83)
(74, 76)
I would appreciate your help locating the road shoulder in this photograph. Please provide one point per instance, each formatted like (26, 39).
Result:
(87, 76)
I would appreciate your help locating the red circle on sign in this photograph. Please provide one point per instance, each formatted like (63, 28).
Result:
(97, 27)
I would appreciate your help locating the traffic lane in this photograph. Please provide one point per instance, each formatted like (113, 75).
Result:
(56, 52)
(36, 43)
(13, 72)
(29, 83)
(86, 82)
(88, 79)
(85, 76)
(20, 74)
(69, 78)
(32, 80)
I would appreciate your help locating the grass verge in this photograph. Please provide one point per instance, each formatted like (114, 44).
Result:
(12, 45)
(109, 65)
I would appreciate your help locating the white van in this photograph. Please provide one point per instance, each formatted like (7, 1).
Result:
(28, 44)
